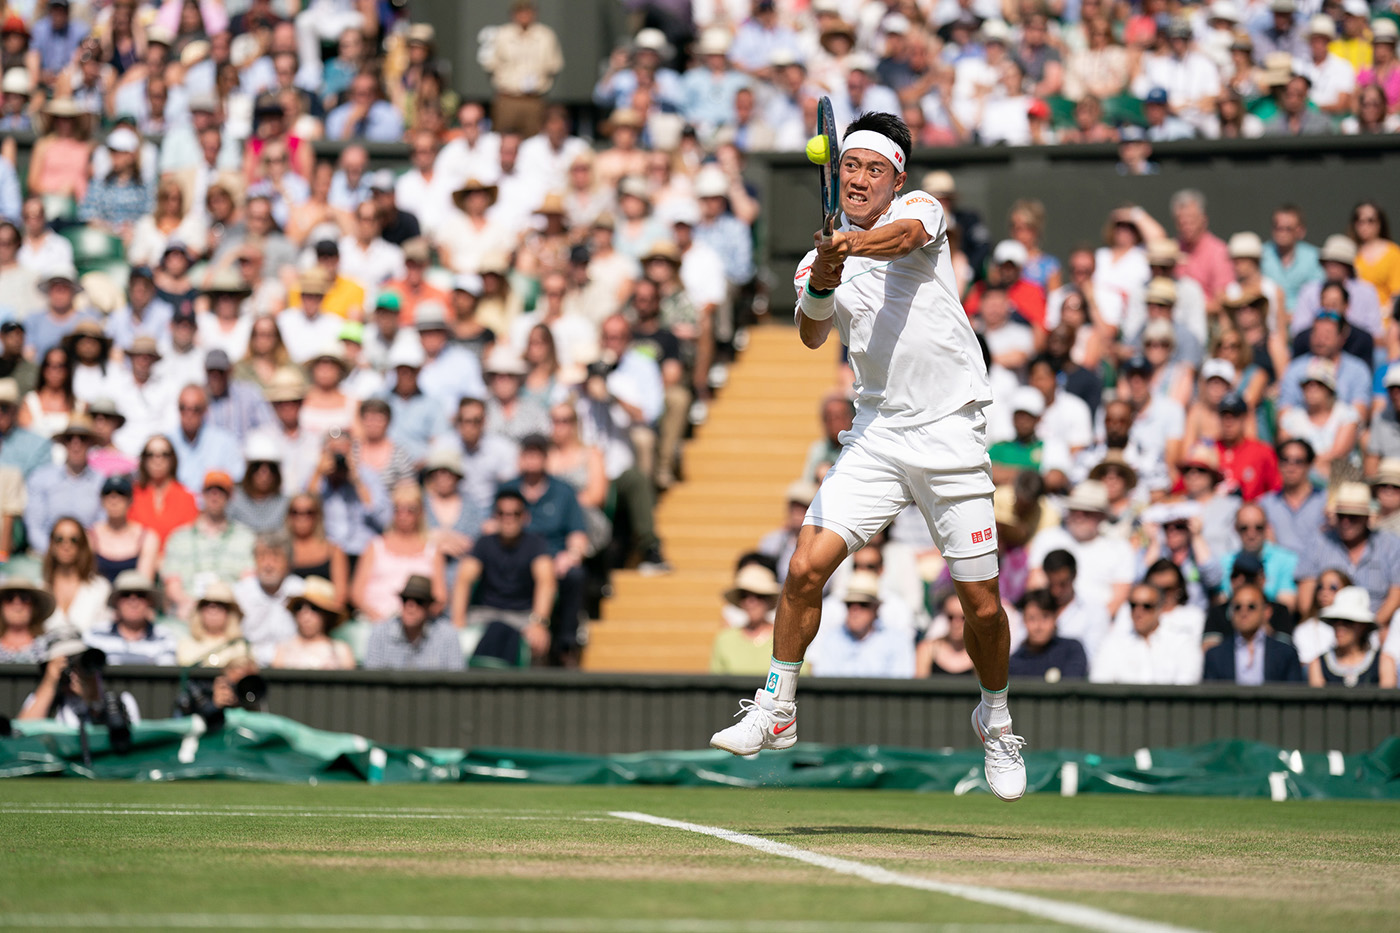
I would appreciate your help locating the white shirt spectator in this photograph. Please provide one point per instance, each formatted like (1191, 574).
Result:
(1186, 79)
(885, 651)
(1165, 657)
(575, 337)
(1103, 562)
(702, 274)
(549, 166)
(1010, 337)
(54, 252)
(1126, 278)
(1330, 80)
(1083, 621)
(147, 408)
(1005, 120)
(1162, 421)
(1067, 420)
(305, 337)
(459, 160)
(266, 619)
(371, 266)
(424, 199)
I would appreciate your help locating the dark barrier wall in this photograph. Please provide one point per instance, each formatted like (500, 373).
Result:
(600, 714)
(1243, 181)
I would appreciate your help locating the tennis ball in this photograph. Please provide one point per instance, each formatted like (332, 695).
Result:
(818, 149)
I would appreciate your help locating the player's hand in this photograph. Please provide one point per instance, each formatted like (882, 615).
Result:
(830, 260)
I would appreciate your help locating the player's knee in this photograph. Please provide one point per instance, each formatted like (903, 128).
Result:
(981, 604)
(805, 579)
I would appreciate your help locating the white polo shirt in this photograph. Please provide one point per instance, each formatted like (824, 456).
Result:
(1164, 657)
(912, 349)
(1330, 80)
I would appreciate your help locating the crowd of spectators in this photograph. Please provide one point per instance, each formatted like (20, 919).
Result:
(265, 406)
(1017, 72)
(1196, 446)
(269, 402)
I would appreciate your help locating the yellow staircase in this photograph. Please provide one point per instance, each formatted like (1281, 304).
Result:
(737, 469)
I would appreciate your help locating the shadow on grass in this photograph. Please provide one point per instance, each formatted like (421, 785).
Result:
(881, 831)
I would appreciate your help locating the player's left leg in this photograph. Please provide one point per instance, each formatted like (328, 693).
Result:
(952, 483)
(988, 638)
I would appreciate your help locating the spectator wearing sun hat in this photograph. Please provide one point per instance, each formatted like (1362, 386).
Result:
(1371, 558)
(71, 488)
(1333, 80)
(746, 646)
(1353, 661)
(862, 644)
(1363, 306)
(1106, 567)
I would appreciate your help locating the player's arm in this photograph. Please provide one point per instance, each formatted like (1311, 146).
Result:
(816, 285)
(893, 240)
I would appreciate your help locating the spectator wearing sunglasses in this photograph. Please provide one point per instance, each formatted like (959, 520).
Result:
(1372, 558)
(1278, 563)
(418, 639)
(1248, 570)
(1254, 656)
(1297, 512)
(1145, 652)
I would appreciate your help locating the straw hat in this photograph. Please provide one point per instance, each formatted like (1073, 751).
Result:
(1204, 456)
(459, 197)
(133, 581)
(1161, 291)
(220, 594)
(663, 249)
(228, 282)
(1088, 496)
(1338, 248)
(713, 41)
(77, 426)
(505, 361)
(443, 458)
(1351, 604)
(63, 107)
(754, 578)
(87, 329)
(286, 385)
(1164, 252)
(1323, 372)
(1277, 70)
(103, 405)
(1388, 473)
(314, 281)
(1246, 245)
(334, 354)
(42, 599)
(862, 587)
(1112, 459)
(1352, 499)
(802, 491)
(319, 594)
(553, 204)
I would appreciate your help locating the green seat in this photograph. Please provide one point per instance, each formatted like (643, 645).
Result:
(1061, 112)
(93, 249)
(1125, 108)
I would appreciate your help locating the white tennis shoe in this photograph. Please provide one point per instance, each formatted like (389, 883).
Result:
(766, 724)
(1004, 768)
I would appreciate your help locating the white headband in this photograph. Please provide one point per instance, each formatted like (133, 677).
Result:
(875, 142)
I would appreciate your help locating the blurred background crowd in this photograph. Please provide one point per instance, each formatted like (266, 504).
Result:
(271, 391)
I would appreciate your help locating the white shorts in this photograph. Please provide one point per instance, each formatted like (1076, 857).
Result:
(941, 467)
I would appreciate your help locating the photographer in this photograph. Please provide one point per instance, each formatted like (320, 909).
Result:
(71, 692)
(239, 686)
(355, 506)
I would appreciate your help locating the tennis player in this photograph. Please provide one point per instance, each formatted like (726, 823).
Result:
(884, 281)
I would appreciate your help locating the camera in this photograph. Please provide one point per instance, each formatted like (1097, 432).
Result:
(108, 710)
(197, 699)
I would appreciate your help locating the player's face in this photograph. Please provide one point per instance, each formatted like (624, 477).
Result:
(868, 184)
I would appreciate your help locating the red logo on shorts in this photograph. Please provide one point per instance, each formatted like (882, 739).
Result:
(987, 535)
(977, 537)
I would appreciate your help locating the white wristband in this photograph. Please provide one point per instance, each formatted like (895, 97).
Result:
(816, 307)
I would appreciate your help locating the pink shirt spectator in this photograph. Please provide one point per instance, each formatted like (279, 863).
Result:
(1390, 86)
(1208, 262)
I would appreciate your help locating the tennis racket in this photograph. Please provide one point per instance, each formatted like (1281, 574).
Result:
(831, 181)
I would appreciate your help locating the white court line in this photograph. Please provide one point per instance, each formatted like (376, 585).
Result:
(319, 814)
(1089, 918)
(483, 924)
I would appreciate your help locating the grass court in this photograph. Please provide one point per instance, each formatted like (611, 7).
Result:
(490, 857)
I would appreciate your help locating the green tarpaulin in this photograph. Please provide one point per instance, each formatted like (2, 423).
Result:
(261, 747)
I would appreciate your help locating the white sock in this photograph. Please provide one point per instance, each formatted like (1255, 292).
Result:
(782, 680)
(995, 712)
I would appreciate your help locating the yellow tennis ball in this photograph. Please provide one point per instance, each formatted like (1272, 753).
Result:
(818, 149)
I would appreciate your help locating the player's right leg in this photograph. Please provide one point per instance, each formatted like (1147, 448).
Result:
(858, 497)
(770, 718)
